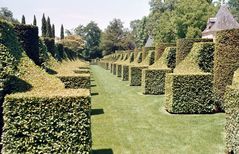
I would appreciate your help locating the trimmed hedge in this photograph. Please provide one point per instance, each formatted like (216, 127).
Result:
(145, 51)
(184, 46)
(119, 64)
(226, 61)
(190, 88)
(232, 115)
(160, 47)
(47, 124)
(153, 78)
(76, 81)
(135, 72)
(28, 37)
(189, 93)
(50, 44)
(82, 71)
(125, 67)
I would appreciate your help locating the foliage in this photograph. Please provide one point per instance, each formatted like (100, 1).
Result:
(53, 31)
(226, 61)
(112, 38)
(234, 7)
(6, 14)
(92, 34)
(62, 32)
(139, 32)
(44, 26)
(73, 42)
(23, 20)
(48, 28)
(28, 37)
(34, 21)
(50, 44)
(76, 81)
(232, 124)
(184, 47)
(153, 78)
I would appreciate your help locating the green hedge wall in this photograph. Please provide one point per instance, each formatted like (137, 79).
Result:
(184, 46)
(226, 61)
(82, 71)
(232, 115)
(76, 82)
(135, 72)
(29, 40)
(145, 51)
(50, 44)
(190, 88)
(189, 93)
(47, 125)
(153, 78)
(160, 47)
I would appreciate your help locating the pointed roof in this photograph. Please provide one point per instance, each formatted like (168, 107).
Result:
(223, 20)
(150, 42)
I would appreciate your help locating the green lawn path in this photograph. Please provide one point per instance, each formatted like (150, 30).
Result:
(133, 123)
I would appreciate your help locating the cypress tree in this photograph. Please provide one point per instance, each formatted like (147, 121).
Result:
(35, 21)
(48, 28)
(43, 28)
(23, 20)
(62, 32)
(53, 31)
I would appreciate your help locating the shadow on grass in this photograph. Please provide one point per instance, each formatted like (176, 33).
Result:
(93, 85)
(50, 71)
(97, 112)
(102, 151)
(94, 94)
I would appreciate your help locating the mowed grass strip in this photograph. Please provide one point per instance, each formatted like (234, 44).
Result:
(128, 122)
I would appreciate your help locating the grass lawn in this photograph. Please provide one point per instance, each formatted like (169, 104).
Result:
(124, 121)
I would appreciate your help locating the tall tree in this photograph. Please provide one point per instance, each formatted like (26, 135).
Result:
(53, 31)
(35, 21)
(92, 38)
(80, 30)
(6, 14)
(112, 37)
(23, 20)
(62, 32)
(48, 28)
(43, 28)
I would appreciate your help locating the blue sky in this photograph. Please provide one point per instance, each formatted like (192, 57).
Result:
(71, 13)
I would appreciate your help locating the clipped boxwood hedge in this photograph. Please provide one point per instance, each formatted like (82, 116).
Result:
(184, 46)
(153, 78)
(76, 81)
(160, 47)
(119, 65)
(50, 44)
(47, 125)
(226, 61)
(189, 93)
(135, 72)
(28, 37)
(82, 71)
(232, 115)
(145, 51)
(190, 88)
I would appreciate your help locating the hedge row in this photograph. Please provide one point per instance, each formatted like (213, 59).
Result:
(226, 61)
(76, 81)
(119, 65)
(135, 71)
(232, 115)
(146, 50)
(189, 93)
(28, 37)
(160, 47)
(184, 46)
(47, 125)
(41, 116)
(190, 88)
(82, 71)
(153, 78)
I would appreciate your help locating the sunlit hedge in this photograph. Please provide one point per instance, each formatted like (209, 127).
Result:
(232, 115)
(153, 78)
(135, 71)
(226, 61)
(184, 46)
(190, 88)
